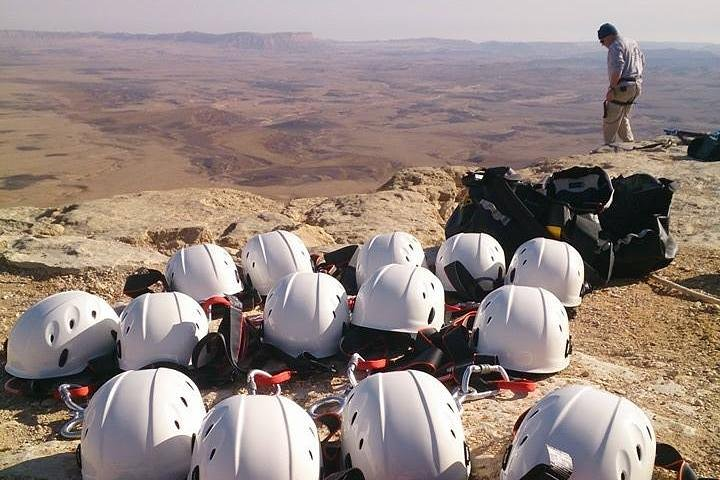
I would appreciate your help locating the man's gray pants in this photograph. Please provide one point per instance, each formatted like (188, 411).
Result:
(616, 121)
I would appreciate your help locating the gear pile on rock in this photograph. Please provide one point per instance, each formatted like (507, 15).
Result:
(425, 334)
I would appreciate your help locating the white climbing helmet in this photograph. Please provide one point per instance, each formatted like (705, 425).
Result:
(526, 327)
(385, 249)
(159, 327)
(306, 312)
(59, 335)
(236, 435)
(606, 436)
(268, 257)
(400, 298)
(203, 271)
(480, 254)
(139, 425)
(550, 264)
(404, 425)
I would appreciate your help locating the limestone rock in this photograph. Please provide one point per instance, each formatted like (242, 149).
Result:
(130, 217)
(18, 219)
(72, 254)
(241, 229)
(355, 218)
(441, 186)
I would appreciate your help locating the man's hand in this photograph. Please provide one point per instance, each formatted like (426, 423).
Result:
(609, 96)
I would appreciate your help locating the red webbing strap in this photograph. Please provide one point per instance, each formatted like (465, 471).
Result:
(276, 379)
(216, 300)
(20, 386)
(370, 365)
(516, 386)
(76, 393)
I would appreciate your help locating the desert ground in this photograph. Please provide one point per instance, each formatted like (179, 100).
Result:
(656, 346)
(86, 116)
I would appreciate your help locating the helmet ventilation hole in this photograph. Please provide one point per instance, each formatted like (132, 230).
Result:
(432, 285)
(489, 320)
(127, 329)
(512, 275)
(639, 452)
(348, 461)
(253, 265)
(189, 385)
(453, 433)
(212, 454)
(334, 314)
(85, 433)
(579, 274)
(352, 421)
(362, 440)
(63, 358)
(411, 246)
(93, 314)
(560, 327)
(622, 475)
(182, 399)
(451, 408)
(177, 424)
(237, 276)
(207, 430)
(269, 312)
(351, 396)
(311, 455)
(523, 251)
(196, 473)
(492, 258)
(52, 338)
(407, 259)
(525, 262)
(197, 326)
(192, 443)
(649, 432)
(524, 439)
(424, 295)
(72, 323)
(533, 414)
(247, 254)
(431, 316)
(118, 349)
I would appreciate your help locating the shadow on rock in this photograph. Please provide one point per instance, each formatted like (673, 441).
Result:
(709, 283)
(56, 466)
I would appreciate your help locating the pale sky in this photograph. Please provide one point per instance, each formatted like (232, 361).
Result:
(477, 20)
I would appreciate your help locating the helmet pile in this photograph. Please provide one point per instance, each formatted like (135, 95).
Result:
(427, 338)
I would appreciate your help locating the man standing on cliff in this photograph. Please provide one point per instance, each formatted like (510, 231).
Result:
(625, 64)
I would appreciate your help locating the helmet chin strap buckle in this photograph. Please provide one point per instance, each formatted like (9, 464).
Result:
(465, 393)
(72, 429)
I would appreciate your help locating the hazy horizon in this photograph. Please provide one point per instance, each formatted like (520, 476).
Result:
(354, 20)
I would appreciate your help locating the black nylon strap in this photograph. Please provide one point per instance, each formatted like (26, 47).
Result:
(669, 458)
(139, 283)
(350, 474)
(439, 353)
